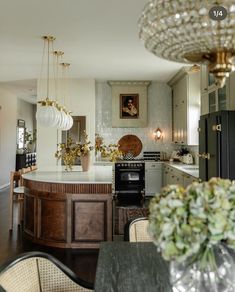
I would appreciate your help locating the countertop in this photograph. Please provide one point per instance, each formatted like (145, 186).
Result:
(96, 175)
(99, 174)
(191, 169)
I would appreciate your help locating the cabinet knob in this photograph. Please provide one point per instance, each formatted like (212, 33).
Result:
(216, 128)
(204, 155)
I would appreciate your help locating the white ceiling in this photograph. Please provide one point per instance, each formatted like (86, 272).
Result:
(99, 38)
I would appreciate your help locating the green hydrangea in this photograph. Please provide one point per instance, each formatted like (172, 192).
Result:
(183, 221)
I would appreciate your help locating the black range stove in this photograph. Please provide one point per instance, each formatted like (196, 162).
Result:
(147, 156)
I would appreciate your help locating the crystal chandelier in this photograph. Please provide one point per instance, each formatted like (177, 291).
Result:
(183, 31)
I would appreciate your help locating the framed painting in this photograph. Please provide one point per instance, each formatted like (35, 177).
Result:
(129, 103)
(21, 123)
(129, 106)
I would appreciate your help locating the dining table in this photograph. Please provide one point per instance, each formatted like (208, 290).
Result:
(131, 267)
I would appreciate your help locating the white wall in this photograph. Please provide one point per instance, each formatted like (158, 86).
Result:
(159, 115)
(8, 120)
(82, 100)
(26, 112)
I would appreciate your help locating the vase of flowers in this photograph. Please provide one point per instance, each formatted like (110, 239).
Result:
(71, 150)
(104, 152)
(68, 153)
(194, 229)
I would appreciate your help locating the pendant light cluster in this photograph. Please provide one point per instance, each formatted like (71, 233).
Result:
(50, 112)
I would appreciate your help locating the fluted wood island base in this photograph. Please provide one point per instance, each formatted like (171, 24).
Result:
(68, 213)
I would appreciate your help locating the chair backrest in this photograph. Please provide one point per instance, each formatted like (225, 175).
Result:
(39, 272)
(137, 230)
(25, 170)
(33, 167)
(15, 180)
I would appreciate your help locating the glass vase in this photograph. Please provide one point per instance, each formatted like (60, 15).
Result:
(211, 270)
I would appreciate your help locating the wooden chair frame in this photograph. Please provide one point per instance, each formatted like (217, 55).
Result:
(47, 272)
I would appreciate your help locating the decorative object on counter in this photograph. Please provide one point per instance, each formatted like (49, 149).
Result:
(182, 32)
(128, 156)
(85, 161)
(71, 150)
(158, 134)
(67, 152)
(187, 158)
(175, 156)
(111, 152)
(130, 144)
(183, 151)
(193, 229)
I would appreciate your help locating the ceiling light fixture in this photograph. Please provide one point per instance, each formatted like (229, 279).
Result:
(68, 120)
(183, 31)
(47, 114)
(50, 112)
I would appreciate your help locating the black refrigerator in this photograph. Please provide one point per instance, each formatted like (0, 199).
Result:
(217, 145)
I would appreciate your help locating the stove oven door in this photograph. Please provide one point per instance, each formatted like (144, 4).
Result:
(129, 180)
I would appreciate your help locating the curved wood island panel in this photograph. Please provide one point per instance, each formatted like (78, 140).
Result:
(65, 213)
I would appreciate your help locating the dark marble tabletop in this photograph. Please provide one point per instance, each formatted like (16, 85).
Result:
(131, 267)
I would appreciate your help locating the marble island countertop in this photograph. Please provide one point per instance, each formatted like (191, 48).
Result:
(96, 174)
(191, 169)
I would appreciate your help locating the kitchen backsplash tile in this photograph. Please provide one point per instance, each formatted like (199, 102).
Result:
(159, 115)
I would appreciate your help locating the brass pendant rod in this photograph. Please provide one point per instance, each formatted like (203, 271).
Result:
(48, 65)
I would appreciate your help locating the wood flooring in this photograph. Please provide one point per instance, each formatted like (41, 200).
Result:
(12, 243)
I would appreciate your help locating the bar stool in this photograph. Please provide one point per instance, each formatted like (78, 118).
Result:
(17, 190)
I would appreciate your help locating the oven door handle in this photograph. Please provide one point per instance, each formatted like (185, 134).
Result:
(129, 169)
(127, 192)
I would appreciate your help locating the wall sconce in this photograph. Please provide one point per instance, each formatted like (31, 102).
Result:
(158, 134)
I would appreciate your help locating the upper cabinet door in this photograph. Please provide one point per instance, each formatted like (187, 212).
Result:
(186, 107)
(214, 98)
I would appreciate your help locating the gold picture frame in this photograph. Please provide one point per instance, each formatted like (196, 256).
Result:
(122, 91)
(129, 106)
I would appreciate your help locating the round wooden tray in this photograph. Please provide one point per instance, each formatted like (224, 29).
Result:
(130, 144)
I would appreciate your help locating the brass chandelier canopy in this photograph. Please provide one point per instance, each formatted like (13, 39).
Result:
(183, 31)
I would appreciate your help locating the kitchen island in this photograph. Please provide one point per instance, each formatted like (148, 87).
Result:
(69, 209)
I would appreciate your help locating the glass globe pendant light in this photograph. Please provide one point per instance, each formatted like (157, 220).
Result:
(184, 31)
(67, 121)
(57, 55)
(47, 114)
